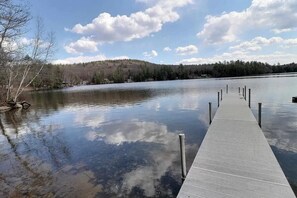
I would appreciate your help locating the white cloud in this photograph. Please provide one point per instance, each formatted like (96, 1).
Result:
(119, 58)
(291, 42)
(220, 29)
(167, 49)
(274, 58)
(259, 42)
(187, 50)
(81, 46)
(9, 45)
(151, 54)
(84, 59)
(279, 31)
(80, 59)
(277, 15)
(254, 50)
(25, 41)
(21, 43)
(107, 28)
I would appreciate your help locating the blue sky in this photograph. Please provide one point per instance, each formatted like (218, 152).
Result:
(171, 31)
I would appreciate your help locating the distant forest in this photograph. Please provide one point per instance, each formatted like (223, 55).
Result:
(120, 71)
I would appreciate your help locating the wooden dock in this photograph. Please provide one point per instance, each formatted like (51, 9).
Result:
(235, 159)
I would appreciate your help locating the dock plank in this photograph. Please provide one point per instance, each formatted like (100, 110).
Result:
(235, 159)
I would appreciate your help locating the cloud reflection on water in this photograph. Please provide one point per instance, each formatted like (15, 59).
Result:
(93, 121)
(33, 162)
(145, 177)
(279, 125)
(189, 101)
(133, 130)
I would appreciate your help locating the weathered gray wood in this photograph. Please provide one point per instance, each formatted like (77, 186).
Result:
(235, 159)
(183, 155)
(245, 92)
(218, 99)
(260, 114)
(209, 112)
(249, 98)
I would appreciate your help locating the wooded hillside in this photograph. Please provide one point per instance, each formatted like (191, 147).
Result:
(119, 71)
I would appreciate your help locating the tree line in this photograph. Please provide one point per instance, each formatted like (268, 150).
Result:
(120, 71)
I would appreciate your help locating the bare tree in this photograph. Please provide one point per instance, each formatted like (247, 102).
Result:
(20, 69)
(42, 49)
(13, 18)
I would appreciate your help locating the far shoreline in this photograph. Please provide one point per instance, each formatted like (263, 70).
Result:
(270, 75)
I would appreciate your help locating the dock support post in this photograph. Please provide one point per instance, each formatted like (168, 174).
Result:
(260, 114)
(183, 155)
(221, 94)
(218, 99)
(209, 108)
(227, 89)
(249, 98)
(239, 90)
(245, 92)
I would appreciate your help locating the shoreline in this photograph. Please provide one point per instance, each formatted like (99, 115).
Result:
(270, 75)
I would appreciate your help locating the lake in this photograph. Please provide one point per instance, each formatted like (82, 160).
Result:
(121, 140)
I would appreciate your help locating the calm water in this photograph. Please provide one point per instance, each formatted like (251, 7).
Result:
(122, 140)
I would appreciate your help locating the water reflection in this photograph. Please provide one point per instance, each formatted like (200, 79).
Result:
(282, 137)
(133, 131)
(279, 127)
(147, 176)
(53, 100)
(33, 163)
(287, 160)
(93, 119)
(122, 140)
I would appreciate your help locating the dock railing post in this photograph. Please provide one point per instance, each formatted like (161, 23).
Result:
(227, 89)
(209, 108)
(183, 156)
(245, 92)
(221, 94)
(249, 98)
(260, 114)
(218, 99)
(239, 90)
